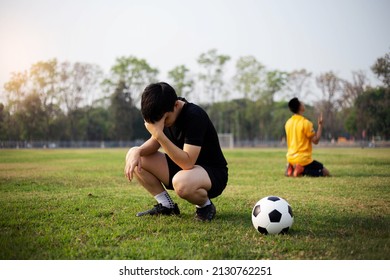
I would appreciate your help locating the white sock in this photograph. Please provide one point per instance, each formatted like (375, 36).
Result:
(164, 199)
(208, 202)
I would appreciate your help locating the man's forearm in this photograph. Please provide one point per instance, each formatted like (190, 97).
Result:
(179, 156)
(316, 138)
(149, 147)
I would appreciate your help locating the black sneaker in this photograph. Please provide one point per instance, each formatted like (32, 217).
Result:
(158, 209)
(206, 213)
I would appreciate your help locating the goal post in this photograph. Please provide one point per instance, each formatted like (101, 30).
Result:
(226, 140)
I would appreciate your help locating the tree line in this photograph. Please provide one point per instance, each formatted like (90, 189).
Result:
(63, 101)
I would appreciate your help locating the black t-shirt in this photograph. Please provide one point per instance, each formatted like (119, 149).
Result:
(193, 126)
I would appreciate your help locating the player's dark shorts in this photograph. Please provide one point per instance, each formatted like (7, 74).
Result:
(218, 177)
(314, 169)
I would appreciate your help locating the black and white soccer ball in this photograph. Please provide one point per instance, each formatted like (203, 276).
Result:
(272, 215)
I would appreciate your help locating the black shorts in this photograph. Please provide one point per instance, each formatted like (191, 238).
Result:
(314, 169)
(218, 177)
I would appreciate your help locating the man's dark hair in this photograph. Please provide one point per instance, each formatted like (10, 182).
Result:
(157, 99)
(294, 105)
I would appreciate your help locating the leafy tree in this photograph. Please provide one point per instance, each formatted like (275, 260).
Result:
(260, 86)
(280, 114)
(129, 76)
(27, 94)
(16, 89)
(373, 112)
(58, 126)
(252, 117)
(122, 113)
(298, 84)
(212, 65)
(97, 124)
(44, 79)
(350, 121)
(56, 85)
(78, 83)
(31, 117)
(351, 90)
(182, 83)
(274, 82)
(249, 77)
(76, 86)
(132, 73)
(3, 122)
(382, 69)
(10, 127)
(331, 88)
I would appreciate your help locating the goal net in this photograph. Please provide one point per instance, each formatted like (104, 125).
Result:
(226, 140)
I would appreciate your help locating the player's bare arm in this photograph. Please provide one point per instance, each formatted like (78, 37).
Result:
(133, 156)
(317, 136)
(185, 158)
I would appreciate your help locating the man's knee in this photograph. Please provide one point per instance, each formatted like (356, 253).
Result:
(130, 150)
(325, 172)
(180, 185)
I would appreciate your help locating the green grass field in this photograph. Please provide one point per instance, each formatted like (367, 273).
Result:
(76, 204)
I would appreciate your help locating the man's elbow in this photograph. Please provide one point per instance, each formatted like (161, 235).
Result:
(187, 166)
(188, 163)
(315, 141)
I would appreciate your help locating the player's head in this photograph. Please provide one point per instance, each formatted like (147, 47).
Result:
(294, 105)
(157, 99)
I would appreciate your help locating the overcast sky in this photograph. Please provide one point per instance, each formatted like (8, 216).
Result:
(337, 35)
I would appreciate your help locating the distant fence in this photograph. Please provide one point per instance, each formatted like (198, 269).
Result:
(225, 140)
(67, 144)
(322, 143)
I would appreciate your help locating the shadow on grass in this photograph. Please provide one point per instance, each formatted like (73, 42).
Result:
(363, 228)
(362, 174)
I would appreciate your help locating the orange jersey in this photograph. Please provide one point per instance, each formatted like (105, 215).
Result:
(299, 132)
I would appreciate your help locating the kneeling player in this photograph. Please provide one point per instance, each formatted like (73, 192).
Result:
(300, 135)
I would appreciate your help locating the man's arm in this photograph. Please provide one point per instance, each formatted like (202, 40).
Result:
(185, 158)
(317, 136)
(133, 156)
(149, 147)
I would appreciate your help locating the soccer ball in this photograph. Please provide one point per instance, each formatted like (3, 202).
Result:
(272, 215)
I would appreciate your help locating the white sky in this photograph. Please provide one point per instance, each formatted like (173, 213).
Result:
(337, 35)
